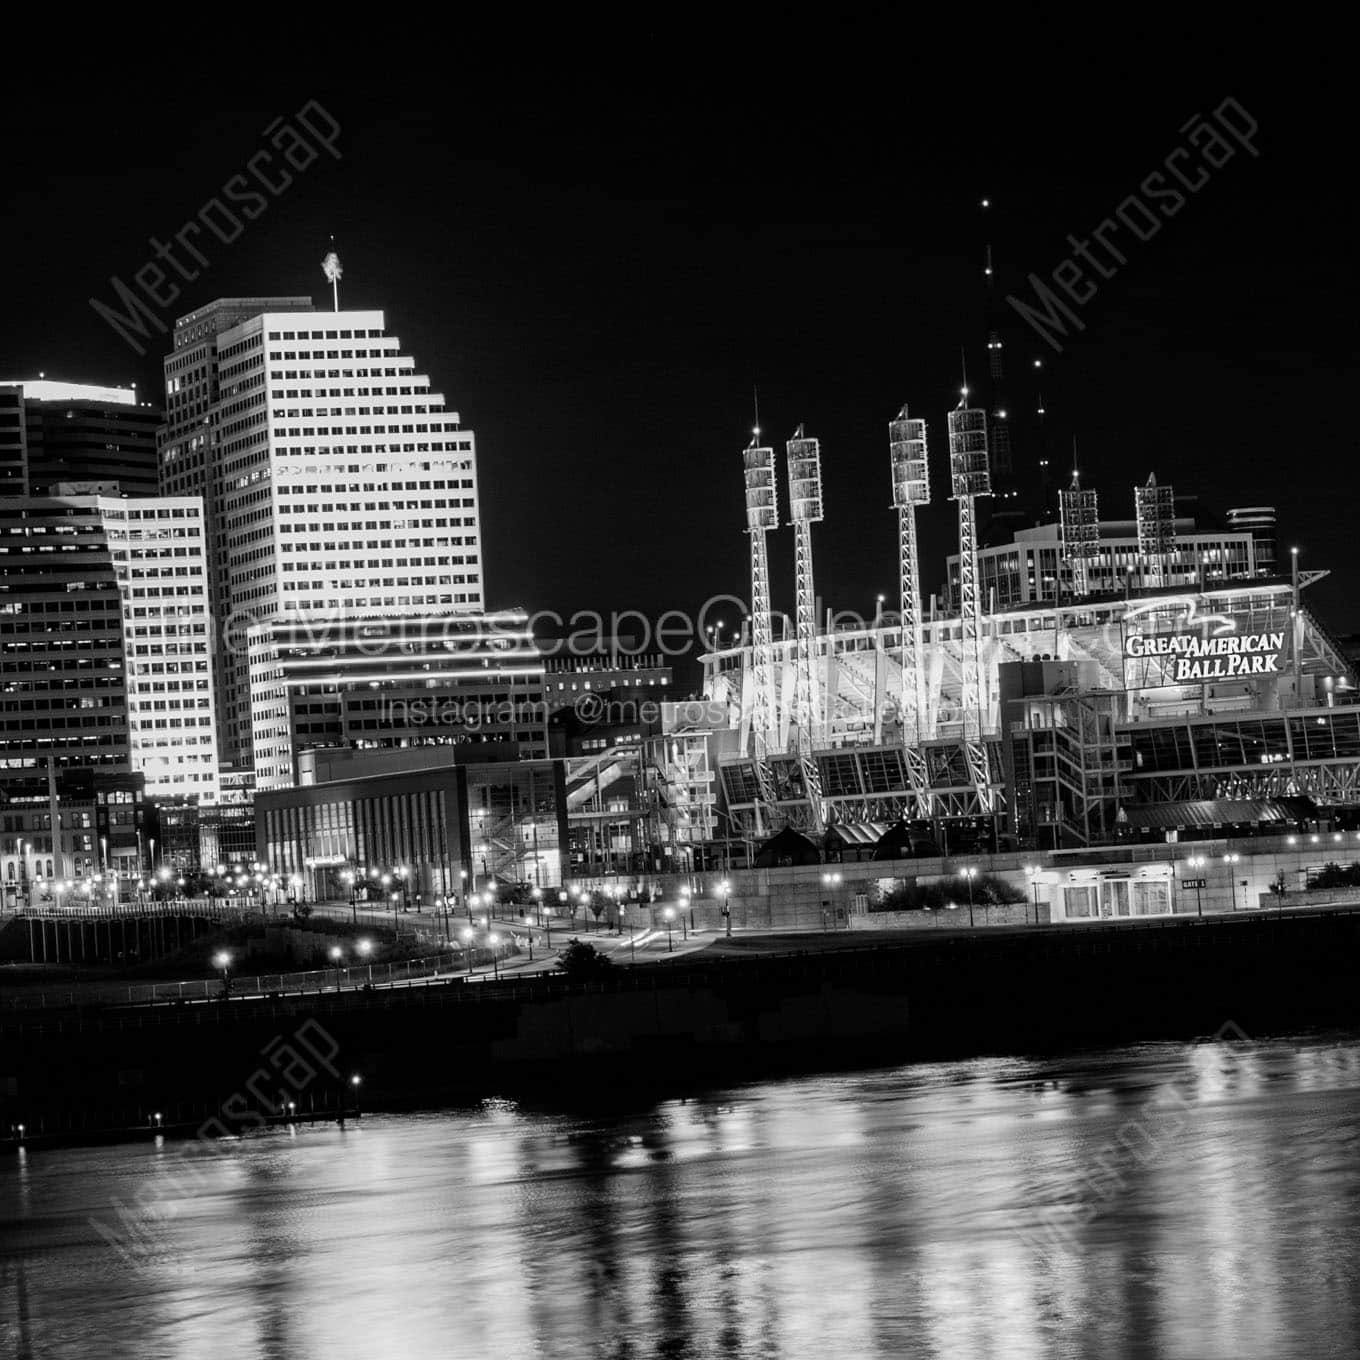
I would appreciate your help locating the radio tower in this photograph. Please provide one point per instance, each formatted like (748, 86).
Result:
(911, 487)
(805, 507)
(970, 477)
(762, 515)
(1079, 520)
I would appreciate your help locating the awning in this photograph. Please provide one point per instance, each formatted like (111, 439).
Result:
(858, 833)
(1215, 812)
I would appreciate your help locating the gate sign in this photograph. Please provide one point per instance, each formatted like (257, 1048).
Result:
(1190, 658)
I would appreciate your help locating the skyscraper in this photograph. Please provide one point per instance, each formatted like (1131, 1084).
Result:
(339, 488)
(55, 433)
(188, 468)
(159, 553)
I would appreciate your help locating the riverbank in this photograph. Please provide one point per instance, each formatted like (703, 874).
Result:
(724, 1013)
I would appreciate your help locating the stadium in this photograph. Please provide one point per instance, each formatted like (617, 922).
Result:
(1083, 682)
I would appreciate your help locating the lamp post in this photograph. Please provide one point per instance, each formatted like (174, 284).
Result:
(337, 955)
(726, 889)
(1230, 860)
(222, 962)
(969, 874)
(1033, 871)
(830, 882)
(493, 940)
(1198, 862)
(669, 914)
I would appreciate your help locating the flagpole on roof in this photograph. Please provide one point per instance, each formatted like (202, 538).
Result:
(331, 267)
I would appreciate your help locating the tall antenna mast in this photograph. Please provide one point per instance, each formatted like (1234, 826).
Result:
(762, 515)
(970, 477)
(805, 509)
(911, 487)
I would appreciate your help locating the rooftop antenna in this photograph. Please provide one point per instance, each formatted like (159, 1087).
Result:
(332, 269)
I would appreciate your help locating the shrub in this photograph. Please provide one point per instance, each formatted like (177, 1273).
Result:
(580, 960)
(1334, 876)
(988, 891)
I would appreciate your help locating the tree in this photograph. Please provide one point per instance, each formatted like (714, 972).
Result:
(581, 961)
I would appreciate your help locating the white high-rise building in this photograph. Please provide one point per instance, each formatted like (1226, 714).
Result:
(159, 551)
(340, 488)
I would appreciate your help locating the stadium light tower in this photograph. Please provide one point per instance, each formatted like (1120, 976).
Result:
(970, 477)
(1156, 510)
(911, 487)
(762, 515)
(805, 509)
(1079, 518)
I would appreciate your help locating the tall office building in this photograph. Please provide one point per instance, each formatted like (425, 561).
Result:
(187, 468)
(159, 551)
(65, 754)
(105, 631)
(338, 488)
(54, 433)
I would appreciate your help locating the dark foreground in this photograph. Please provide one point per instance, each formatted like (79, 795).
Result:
(221, 1067)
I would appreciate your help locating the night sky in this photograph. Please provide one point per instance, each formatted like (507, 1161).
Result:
(596, 252)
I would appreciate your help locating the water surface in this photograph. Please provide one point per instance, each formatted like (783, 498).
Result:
(1162, 1200)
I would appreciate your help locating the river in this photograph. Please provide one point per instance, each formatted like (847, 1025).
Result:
(1195, 1200)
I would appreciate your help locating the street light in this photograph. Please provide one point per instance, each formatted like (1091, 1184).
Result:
(1198, 862)
(970, 874)
(830, 881)
(336, 955)
(1033, 871)
(669, 914)
(726, 889)
(1230, 860)
(493, 940)
(222, 961)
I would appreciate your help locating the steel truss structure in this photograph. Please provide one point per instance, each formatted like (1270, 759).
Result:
(911, 488)
(805, 509)
(970, 477)
(762, 515)
(863, 673)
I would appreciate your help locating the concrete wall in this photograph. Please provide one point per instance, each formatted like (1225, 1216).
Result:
(796, 898)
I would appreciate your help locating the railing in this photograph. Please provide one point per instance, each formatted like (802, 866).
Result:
(711, 970)
(216, 908)
(262, 984)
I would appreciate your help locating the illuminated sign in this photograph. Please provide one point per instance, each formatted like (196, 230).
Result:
(1190, 658)
(324, 861)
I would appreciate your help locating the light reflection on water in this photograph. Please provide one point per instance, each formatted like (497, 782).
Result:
(889, 1213)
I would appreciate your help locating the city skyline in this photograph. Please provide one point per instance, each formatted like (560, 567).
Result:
(691, 280)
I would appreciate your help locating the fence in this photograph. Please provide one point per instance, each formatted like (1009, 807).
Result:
(263, 984)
